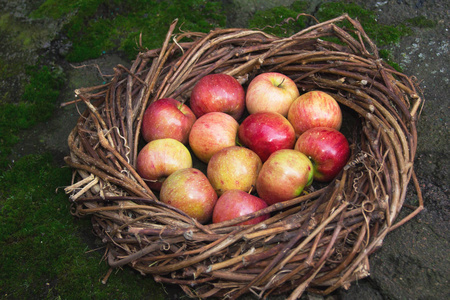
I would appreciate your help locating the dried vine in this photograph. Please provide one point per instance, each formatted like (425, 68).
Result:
(319, 241)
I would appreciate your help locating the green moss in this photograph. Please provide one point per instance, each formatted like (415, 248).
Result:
(42, 253)
(381, 34)
(37, 104)
(23, 35)
(421, 22)
(99, 26)
(55, 9)
(4, 69)
(4, 21)
(387, 56)
(281, 21)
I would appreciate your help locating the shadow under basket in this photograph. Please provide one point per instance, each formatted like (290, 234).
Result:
(317, 242)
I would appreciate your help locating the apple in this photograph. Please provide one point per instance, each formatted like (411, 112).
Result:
(237, 203)
(266, 132)
(271, 91)
(167, 118)
(190, 191)
(233, 168)
(211, 133)
(160, 158)
(314, 109)
(284, 176)
(220, 93)
(328, 150)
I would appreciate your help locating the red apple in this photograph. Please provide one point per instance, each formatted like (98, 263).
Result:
(314, 109)
(167, 118)
(218, 92)
(211, 133)
(328, 150)
(266, 132)
(190, 191)
(233, 168)
(271, 91)
(284, 176)
(237, 203)
(160, 158)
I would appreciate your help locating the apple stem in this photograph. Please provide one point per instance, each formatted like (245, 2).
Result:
(278, 85)
(238, 142)
(251, 189)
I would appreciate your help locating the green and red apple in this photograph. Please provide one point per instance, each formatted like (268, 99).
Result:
(190, 191)
(167, 118)
(236, 203)
(212, 132)
(314, 109)
(233, 168)
(218, 93)
(284, 176)
(271, 91)
(160, 158)
(328, 150)
(266, 132)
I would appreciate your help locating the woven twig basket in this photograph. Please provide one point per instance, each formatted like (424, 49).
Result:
(317, 242)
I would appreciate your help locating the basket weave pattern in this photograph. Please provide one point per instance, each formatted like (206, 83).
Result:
(319, 241)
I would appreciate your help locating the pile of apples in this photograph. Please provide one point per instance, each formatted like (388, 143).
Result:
(258, 147)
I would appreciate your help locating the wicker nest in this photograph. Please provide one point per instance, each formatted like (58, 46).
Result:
(319, 241)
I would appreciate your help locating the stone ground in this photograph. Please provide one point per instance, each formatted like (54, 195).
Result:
(414, 261)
